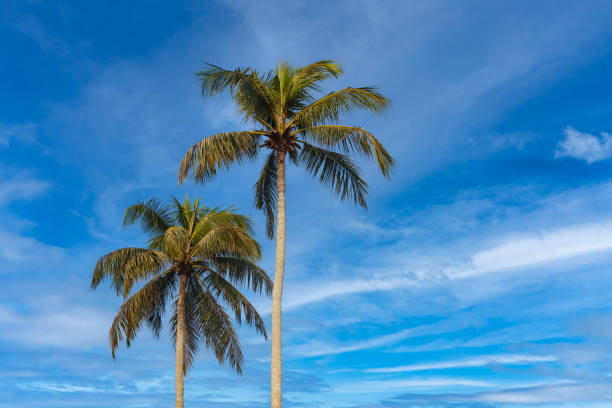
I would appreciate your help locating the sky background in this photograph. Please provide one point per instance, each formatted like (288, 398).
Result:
(479, 277)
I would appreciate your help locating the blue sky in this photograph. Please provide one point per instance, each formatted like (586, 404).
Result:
(479, 277)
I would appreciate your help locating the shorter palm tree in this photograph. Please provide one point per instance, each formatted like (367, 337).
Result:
(200, 251)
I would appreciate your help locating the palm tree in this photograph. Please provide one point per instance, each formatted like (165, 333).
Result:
(202, 250)
(288, 120)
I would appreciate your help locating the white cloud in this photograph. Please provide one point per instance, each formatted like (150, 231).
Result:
(546, 246)
(59, 387)
(512, 359)
(15, 247)
(405, 384)
(554, 393)
(564, 393)
(515, 252)
(19, 249)
(339, 288)
(55, 323)
(316, 349)
(22, 188)
(584, 146)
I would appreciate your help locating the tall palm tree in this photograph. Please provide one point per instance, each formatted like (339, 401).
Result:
(288, 120)
(202, 250)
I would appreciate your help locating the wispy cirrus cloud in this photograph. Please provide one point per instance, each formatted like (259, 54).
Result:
(23, 133)
(411, 383)
(53, 322)
(22, 187)
(515, 252)
(555, 393)
(507, 359)
(317, 349)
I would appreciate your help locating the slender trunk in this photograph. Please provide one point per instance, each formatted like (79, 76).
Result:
(180, 342)
(276, 366)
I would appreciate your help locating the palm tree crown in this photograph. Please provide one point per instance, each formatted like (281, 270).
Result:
(290, 121)
(201, 250)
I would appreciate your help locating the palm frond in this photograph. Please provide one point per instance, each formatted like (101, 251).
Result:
(215, 217)
(145, 306)
(266, 192)
(282, 82)
(235, 300)
(217, 330)
(218, 152)
(181, 211)
(153, 216)
(242, 271)
(306, 79)
(112, 265)
(227, 239)
(248, 89)
(143, 265)
(335, 170)
(329, 107)
(215, 79)
(350, 139)
(176, 242)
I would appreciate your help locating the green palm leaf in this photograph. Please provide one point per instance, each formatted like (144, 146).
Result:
(243, 272)
(112, 265)
(266, 192)
(248, 89)
(219, 333)
(335, 170)
(227, 239)
(329, 107)
(218, 152)
(145, 306)
(153, 216)
(235, 300)
(350, 139)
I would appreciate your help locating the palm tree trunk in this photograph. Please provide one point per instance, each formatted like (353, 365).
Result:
(180, 341)
(276, 366)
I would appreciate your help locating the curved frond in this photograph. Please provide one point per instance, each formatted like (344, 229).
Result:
(235, 300)
(153, 216)
(335, 170)
(176, 242)
(227, 240)
(266, 192)
(349, 139)
(213, 218)
(141, 266)
(112, 265)
(218, 152)
(297, 84)
(217, 330)
(329, 107)
(307, 78)
(248, 89)
(145, 306)
(242, 271)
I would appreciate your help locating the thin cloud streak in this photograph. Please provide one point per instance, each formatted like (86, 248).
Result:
(314, 349)
(510, 359)
(418, 383)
